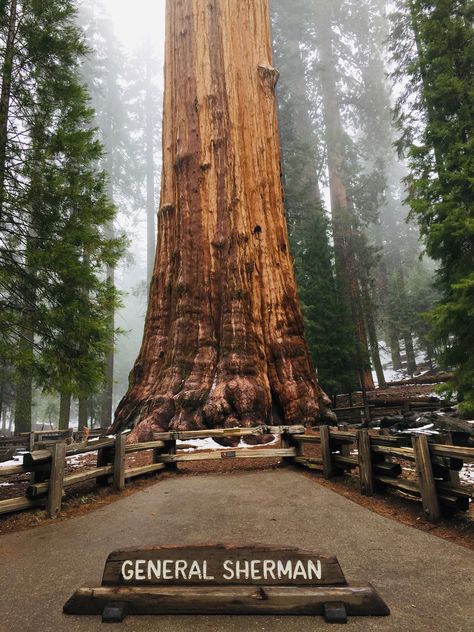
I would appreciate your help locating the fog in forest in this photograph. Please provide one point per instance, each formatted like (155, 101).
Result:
(137, 31)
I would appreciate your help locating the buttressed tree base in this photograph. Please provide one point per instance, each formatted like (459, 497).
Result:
(224, 343)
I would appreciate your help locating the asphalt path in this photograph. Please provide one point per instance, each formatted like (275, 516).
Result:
(427, 582)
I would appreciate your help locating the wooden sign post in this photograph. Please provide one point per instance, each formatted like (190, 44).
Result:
(225, 580)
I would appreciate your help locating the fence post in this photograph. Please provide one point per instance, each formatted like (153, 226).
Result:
(119, 462)
(326, 453)
(31, 441)
(424, 471)
(170, 448)
(345, 447)
(104, 457)
(286, 441)
(56, 479)
(366, 475)
(454, 478)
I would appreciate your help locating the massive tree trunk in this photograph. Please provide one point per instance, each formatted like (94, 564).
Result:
(223, 343)
(343, 220)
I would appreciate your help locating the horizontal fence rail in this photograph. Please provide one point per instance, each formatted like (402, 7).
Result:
(437, 483)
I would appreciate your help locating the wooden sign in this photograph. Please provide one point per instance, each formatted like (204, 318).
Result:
(221, 565)
(224, 579)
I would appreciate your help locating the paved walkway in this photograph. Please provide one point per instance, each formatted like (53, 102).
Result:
(427, 582)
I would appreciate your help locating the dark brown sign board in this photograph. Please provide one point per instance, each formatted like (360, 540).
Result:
(225, 579)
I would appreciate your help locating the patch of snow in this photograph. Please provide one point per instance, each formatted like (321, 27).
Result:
(467, 473)
(198, 444)
(14, 461)
(78, 459)
(432, 394)
(6, 484)
(423, 430)
(210, 444)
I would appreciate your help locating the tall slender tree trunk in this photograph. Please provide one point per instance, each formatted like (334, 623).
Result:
(64, 410)
(24, 389)
(369, 312)
(410, 352)
(110, 139)
(83, 413)
(343, 220)
(108, 392)
(5, 96)
(24, 381)
(394, 343)
(24, 369)
(150, 170)
(4, 418)
(224, 333)
(373, 339)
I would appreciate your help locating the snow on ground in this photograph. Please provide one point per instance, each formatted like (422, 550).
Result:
(428, 430)
(208, 444)
(16, 461)
(467, 473)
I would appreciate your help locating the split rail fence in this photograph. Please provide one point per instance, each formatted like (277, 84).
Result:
(378, 460)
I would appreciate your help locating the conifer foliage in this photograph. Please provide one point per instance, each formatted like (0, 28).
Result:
(54, 206)
(433, 53)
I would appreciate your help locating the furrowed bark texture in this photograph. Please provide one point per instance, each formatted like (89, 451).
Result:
(223, 343)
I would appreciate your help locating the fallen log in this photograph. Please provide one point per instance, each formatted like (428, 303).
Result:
(436, 378)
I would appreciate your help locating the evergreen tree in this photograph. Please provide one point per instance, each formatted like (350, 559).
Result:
(331, 344)
(433, 48)
(53, 243)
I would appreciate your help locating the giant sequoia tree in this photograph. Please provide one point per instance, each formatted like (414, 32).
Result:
(223, 342)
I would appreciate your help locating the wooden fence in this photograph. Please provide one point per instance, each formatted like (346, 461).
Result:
(40, 438)
(48, 480)
(377, 458)
(379, 461)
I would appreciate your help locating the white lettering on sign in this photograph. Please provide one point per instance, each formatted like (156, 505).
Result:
(255, 570)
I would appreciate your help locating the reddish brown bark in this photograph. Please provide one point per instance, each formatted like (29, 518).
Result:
(223, 343)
